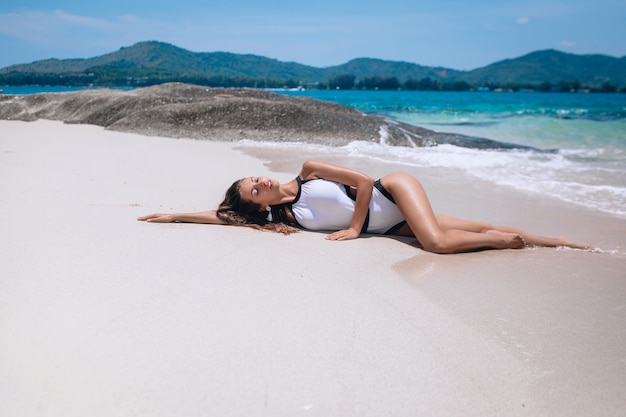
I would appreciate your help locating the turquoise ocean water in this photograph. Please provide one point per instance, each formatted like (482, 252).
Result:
(585, 132)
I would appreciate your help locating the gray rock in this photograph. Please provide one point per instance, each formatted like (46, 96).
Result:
(190, 111)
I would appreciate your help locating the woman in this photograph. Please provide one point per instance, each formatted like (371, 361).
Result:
(329, 197)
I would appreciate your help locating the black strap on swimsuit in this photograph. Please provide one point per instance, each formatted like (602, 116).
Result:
(384, 191)
(290, 205)
(295, 200)
(388, 195)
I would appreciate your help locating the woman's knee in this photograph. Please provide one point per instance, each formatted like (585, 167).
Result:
(438, 246)
(437, 242)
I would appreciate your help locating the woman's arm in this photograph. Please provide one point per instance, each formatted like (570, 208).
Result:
(204, 217)
(363, 184)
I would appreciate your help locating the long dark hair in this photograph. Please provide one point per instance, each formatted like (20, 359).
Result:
(238, 212)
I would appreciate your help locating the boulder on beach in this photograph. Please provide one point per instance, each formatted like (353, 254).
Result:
(191, 111)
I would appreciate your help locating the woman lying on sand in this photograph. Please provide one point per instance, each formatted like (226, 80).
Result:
(330, 197)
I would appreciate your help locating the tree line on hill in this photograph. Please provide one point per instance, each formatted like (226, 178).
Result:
(349, 82)
(124, 77)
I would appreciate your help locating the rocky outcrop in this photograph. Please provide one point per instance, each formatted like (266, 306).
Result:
(190, 111)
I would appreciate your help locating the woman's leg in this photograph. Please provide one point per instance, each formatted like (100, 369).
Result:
(415, 207)
(530, 239)
(442, 236)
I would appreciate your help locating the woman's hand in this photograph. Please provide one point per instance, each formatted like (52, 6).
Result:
(157, 218)
(346, 234)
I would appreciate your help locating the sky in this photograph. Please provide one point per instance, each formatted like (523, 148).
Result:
(456, 34)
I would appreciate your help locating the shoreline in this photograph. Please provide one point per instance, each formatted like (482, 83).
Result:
(465, 198)
(102, 315)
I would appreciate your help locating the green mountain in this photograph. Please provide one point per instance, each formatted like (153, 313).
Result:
(170, 58)
(369, 67)
(552, 66)
(166, 57)
(164, 62)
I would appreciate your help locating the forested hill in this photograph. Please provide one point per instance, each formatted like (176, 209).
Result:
(161, 61)
(552, 66)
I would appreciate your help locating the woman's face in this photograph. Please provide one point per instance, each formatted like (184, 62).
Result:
(260, 190)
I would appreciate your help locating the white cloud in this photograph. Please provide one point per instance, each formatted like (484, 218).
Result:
(62, 18)
(568, 44)
(523, 20)
(37, 35)
(58, 26)
(19, 24)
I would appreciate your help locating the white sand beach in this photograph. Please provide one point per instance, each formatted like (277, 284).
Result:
(102, 315)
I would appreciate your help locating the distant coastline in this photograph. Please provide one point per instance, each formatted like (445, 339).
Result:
(153, 63)
(37, 89)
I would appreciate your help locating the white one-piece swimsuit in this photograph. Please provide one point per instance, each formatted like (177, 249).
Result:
(326, 205)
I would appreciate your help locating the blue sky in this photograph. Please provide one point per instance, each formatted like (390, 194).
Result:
(458, 34)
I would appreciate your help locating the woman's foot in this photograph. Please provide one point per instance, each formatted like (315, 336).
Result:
(573, 245)
(508, 240)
